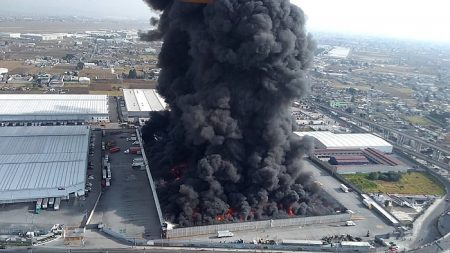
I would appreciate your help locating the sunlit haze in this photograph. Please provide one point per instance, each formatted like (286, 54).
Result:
(416, 19)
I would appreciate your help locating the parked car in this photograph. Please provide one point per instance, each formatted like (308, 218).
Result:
(114, 149)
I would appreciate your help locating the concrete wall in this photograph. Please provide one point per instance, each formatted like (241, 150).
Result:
(150, 178)
(14, 229)
(352, 169)
(253, 225)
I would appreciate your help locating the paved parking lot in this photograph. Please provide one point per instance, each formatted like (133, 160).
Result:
(73, 212)
(127, 206)
(365, 218)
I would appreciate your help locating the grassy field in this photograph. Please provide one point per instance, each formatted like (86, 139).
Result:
(418, 120)
(339, 85)
(400, 92)
(411, 183)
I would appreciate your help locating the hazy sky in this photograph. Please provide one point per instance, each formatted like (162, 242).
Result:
(418, 19)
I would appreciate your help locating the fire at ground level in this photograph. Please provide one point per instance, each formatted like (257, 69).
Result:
(317, 203)
(365, 219)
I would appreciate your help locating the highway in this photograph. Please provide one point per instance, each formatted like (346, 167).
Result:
(411, 137)
(421, 156)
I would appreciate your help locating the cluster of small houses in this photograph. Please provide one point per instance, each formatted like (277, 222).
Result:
(47, 79)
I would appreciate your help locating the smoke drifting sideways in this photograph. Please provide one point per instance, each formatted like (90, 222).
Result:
(226, 150)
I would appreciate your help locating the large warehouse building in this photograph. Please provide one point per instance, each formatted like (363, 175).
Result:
(21, 109)
(139, 103)
(329, 140)
(41, 162)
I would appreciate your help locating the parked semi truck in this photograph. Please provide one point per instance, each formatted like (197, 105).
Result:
(37, 210)
(224, 233)
(367, 203)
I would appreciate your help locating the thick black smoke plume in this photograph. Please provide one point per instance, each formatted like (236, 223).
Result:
(225, 150)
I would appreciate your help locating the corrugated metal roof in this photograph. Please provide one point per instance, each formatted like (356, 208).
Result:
(43, 131)
(332, 141)
(38, 104)
(36, 161)
(143, 100)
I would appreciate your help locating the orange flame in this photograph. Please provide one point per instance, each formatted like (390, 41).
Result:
(290, 212)
(228, 215)
(178, 171)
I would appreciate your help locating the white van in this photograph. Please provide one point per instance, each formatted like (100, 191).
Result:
(224, 233)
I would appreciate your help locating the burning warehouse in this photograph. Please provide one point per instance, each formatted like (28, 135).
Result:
(226, 150)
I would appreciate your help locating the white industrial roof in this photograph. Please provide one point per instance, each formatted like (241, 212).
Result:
(38, 104)
(143, 100)
(36, 161)
(349, 141)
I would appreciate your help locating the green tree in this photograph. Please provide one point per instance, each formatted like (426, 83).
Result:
(373, 176)
(80, 65)
(68, 57)
(132, 74)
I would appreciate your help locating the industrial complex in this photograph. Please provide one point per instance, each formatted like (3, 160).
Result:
(329, 140)
(233, 131)
(348, 161)
(42, 162)
(140, 102)
(31, 109)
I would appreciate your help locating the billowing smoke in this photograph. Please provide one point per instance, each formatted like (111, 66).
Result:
(225, 151)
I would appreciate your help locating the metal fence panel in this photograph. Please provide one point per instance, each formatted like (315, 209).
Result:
(253, 225)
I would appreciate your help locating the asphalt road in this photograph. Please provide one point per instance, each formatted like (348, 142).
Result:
(140, 250)
(426, 227)
(428, 231)
(366, 219)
